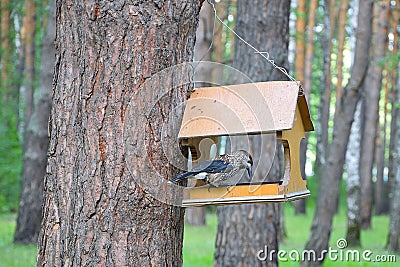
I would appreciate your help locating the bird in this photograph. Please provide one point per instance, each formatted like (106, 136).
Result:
(214, 172)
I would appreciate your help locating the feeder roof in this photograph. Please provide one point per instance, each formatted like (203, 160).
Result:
(241, 109)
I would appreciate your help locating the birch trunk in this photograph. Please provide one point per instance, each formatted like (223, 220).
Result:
(353, 181)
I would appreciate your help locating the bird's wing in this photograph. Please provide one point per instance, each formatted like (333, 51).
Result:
(210, 166)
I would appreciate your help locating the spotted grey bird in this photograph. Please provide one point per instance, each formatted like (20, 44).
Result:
(220, 169)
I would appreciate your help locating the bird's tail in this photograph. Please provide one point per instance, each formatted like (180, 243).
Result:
(180, 178)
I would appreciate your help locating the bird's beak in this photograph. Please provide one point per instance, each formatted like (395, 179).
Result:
(250, 172)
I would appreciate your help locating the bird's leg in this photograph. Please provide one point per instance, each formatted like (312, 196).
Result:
(210, 186)
(228, 187)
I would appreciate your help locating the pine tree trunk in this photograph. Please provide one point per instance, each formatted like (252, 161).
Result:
(329, 183)
(381, 186)
(300, 68)
(326, 88)
(95, 213)
(394, 231)
(244, 230)
(310, 47)
(36, 142)
(380, 183)
(9, 94)
(5, 47)
(373, 83)
(343, 8)
(28, 38)
(300, 205)
(353, 181)
(394, 75)
(300, 61)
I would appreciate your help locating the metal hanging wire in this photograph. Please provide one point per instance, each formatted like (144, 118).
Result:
(264, 54)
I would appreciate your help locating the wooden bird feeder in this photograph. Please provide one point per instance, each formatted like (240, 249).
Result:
(278, 107)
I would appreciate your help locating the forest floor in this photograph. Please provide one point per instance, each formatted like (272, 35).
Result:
(198, 247)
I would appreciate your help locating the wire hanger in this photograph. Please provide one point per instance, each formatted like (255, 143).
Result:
(264, 54)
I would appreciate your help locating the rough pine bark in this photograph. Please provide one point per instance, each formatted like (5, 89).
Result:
(36, 142)
(95, 213)
(244, 230)
(353, 181)
(373, 86)
(331, 173)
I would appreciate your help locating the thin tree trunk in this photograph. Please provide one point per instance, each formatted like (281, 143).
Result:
(300, 205)
(353, 182)
(5, 47)
(343, 8)
(36, 142)
(326, 85)
(394, 231)
(381, 192)
(243, 230)
(331, 173)
(300, 71)
(393, 96)
(28, 38)
(95, 213)
(379, 161)
(310, 47)
(300, 61)
(218, 43)
(373, 84)
(9, 96)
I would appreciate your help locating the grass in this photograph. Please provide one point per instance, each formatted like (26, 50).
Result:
(198, 248)
(12, 255)
(198, 243)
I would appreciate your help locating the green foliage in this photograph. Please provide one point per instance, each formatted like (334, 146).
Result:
(10, 164)
(392, 61)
